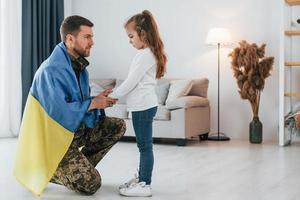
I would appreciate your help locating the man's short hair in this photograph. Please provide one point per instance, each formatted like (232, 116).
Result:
(71, 25)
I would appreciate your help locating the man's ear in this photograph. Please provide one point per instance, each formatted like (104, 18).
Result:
(69, 38)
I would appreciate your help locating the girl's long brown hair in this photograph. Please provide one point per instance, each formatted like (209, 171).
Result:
(145, 24)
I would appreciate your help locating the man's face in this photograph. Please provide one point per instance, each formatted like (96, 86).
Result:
(83, 41)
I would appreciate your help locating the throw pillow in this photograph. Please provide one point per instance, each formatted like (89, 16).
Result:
(104, 83)
(162, 90)
(178, 89)
(200, 87)
(95, 88)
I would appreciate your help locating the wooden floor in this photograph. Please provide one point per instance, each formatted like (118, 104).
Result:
(234, 170)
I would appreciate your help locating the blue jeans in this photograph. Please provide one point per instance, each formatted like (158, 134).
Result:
(142, 124)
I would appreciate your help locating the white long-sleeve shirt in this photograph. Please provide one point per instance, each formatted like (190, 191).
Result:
(139, 86)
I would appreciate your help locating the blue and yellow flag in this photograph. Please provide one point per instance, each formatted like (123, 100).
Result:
(56, 106)
(41, 146)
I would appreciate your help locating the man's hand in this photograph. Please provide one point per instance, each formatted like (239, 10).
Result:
(101, 101)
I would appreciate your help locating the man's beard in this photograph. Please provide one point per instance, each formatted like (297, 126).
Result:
(81, 52)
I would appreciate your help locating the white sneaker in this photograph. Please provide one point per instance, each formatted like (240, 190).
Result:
(136, 190)
(131, 181)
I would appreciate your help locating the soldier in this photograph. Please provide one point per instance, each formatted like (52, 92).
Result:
(66, 129)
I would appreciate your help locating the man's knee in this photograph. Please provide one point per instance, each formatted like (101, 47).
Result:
(120, 127)
(90, 185)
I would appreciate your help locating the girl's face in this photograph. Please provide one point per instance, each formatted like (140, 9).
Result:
(134, 38)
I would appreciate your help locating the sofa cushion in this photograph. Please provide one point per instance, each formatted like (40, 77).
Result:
(162, 91)
(95, 89)
(118, 110)
(178, 88)
(200, 87)
(162, 113)
(188, 102)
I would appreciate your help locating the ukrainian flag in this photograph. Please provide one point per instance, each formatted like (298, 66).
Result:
(55, 108)
(37, 154)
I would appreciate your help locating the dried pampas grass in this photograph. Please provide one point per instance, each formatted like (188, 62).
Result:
(251, 68)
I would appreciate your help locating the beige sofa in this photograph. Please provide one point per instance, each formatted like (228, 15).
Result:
(183, 112)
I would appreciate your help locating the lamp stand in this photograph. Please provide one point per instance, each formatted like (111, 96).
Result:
(218, 136)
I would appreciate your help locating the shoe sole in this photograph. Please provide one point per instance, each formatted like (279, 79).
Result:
(135, 195)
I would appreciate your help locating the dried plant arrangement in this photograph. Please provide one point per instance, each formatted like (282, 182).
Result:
(251, 68)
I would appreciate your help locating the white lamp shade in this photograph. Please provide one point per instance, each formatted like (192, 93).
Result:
(217, 36)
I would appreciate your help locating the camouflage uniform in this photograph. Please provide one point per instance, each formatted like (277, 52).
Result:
(77, 169)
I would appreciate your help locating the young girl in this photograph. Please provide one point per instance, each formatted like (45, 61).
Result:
(148, 65)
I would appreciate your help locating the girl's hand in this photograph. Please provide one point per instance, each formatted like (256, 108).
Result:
(106, 92)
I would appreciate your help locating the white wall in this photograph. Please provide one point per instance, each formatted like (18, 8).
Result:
(183, 26)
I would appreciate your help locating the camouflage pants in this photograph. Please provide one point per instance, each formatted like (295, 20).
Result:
(77, 168)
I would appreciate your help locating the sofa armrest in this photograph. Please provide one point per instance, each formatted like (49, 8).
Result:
(188, 102)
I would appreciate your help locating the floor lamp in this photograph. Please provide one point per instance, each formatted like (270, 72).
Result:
(218, 37)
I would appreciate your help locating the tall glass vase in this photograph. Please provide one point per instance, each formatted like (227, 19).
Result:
(255, 131)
